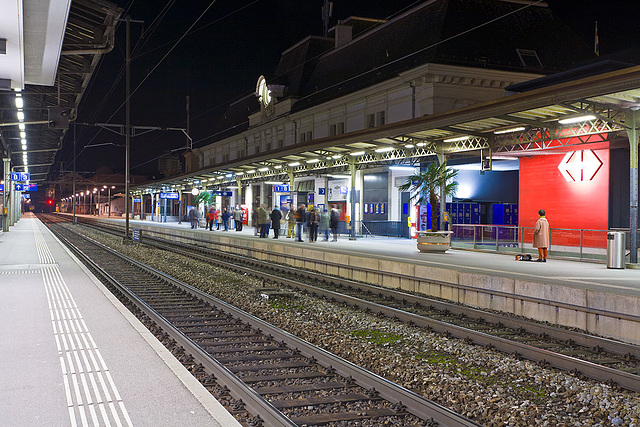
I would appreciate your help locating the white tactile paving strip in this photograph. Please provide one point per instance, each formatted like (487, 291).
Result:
(92, 396)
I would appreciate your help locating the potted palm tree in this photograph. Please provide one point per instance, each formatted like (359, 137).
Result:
(425, 188)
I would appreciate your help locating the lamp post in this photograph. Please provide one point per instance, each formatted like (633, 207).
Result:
(95, 190)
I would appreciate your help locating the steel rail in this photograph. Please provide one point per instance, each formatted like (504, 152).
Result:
(414, 403)
(557, 360)
(254, 402)
(464, 288)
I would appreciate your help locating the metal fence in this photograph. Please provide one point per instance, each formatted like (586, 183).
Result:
(563, 242)
(380, 228)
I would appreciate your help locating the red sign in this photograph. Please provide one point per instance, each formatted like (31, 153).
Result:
(580, 165)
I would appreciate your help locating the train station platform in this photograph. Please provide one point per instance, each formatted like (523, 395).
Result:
(73, 355)
(585, 295)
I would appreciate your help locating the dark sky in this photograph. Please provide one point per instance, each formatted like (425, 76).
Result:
(222, 57)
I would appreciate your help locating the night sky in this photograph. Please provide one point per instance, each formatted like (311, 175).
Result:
(222, 57)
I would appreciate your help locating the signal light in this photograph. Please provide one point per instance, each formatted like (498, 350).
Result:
(50, 201)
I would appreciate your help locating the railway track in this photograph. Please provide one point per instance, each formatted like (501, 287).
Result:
(598, 358)
(271, 374)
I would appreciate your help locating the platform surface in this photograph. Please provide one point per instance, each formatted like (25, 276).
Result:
(579, 274)
(72, 355)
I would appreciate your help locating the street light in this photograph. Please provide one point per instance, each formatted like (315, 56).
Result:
(109, 197)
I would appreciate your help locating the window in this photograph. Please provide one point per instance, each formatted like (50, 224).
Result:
(306, 136)
(371, 120)
(336, 129)
(380, 118)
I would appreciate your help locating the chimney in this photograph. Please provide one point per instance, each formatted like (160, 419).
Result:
(343, 34)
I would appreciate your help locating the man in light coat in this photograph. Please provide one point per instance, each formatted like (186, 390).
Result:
(541, 236)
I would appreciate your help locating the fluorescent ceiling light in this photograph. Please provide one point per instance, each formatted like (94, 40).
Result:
(409, 146)
(19, 102)
(278, 167)
(384, 149)
(400, 167)
(252, 171)
(263, 169)
(576, 119)
(313, 161)
(229, 175)
(23, 134)
(336, 156)
(339, 176)
(456, 139)
(273, 182)
(20, 116)
(294, 164)
(239, 173)
(516, 129)
(357, 153)
(421, 144)
(21, 126)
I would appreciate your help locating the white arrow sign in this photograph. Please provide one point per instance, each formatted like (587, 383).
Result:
(580, 165)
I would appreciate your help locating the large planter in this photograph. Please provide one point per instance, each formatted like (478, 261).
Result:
(434, 241)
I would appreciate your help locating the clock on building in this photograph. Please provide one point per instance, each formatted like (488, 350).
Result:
(262, 92)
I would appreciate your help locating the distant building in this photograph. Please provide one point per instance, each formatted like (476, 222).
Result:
(169, 165)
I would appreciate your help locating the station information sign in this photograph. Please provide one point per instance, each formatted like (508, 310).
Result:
(281, 188)
(26, 196)
(137, 200)
(25, 187)
(20, 176)
(169, 196)
(224, 193)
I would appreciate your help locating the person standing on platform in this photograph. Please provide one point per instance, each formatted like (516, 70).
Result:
(212, 217)
(254, 221)
(291, 223)
(541, 236)
(300, 216)
(263, 221)
(237, 218)
(334, 219)
(225, 218)
(324, 225)
(206, 217)
(314, 221)
(216, 216)
(276, 217)
(193, 218)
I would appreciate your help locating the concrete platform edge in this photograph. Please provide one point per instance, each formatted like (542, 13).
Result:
(209, 403)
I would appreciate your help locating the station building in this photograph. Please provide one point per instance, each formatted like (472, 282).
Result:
(343, 120)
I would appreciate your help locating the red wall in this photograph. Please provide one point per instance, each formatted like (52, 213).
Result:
(575, 205)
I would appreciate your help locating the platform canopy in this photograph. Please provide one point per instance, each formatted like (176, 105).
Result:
(48, 52)
(585, 110)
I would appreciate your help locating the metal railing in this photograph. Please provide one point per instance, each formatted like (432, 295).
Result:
(379, 228)
(563, 242)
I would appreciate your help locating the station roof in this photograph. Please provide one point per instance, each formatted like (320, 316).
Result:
(52, 50)
(516, 125)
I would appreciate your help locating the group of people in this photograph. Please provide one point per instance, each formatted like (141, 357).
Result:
(314, 221)
(296, 221)
(214, 217)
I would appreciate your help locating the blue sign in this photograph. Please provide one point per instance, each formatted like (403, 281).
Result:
(321, 191)
(1, 187)
(26, 196)
(136, 235)
(289, 200)
(137, 200)
(223, 193)
(169, 196)
(25, 187)
(20, 176)
(344, 189)
(280, 188)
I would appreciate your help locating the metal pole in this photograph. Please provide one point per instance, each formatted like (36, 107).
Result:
(352, 170)
(127, 128)
(74, 196)
(5, 194)
(633, 186)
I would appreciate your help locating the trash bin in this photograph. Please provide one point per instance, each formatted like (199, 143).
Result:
(615, 249)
